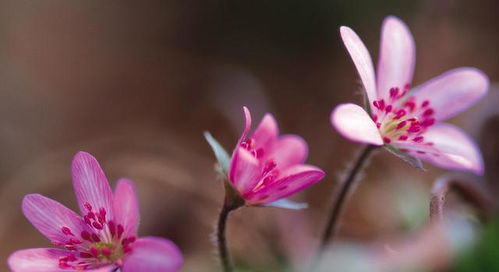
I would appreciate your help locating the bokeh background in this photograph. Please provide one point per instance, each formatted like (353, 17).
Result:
(136, 83)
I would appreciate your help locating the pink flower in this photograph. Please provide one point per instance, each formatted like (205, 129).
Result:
(409, 120)
(266, 167)
(104, 239)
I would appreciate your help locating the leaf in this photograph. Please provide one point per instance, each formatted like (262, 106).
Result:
(415, 162)
(220, 153)
(287, 204)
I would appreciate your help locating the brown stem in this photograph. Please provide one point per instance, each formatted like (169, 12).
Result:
(470, 190)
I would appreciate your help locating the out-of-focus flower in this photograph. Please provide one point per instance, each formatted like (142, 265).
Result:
(104, 239)
(405, 120)
(265, 167)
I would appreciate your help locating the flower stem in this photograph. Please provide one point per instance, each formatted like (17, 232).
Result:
(221, 237)
(341, 197)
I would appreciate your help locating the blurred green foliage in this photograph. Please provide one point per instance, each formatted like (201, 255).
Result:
(485, 255)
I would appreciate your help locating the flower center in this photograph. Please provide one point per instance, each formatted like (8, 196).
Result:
(101, 243)
(401, 118)
(269, 169)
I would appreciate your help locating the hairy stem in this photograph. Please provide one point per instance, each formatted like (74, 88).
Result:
(341, 197)
(223, 251)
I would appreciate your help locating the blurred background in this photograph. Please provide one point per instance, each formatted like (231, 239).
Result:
(136, 83)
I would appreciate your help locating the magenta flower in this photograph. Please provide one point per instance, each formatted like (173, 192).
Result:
(266, 167)
(408, 121)
(104, 239)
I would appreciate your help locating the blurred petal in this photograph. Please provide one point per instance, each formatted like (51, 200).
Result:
(397, 56)
(287, 204)
(289, 182)
(90, 184)
(452, 149)
(289, 150)
(453, 91)
(266, 132)
(355, 124)
(244, 171)
(49, 217)
(362, 60)
(43, 260)
(126, 207)
(153, 254)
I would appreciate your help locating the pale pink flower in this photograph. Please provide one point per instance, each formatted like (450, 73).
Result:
(104, 239)
(408, 120)
(266, 167)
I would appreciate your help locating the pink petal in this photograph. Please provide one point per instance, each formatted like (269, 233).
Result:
(43, 260)
(247, 117)
(49, 217)
(90, 184)
(453, 91)
(397, 56)
(362, 60)
(244, 170)
(291, 181)
(153, 254)
(355, 124)
(266, 133)
(452, 149)
(126, 206)
(289, 150)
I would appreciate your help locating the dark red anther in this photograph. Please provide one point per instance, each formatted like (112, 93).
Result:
(400, 113)
(85, 235)
(378, 124)
(94, 252)
(401, 124)
(415, 127)
(411, 105)
(387, 140)
(418, 139)
(388, 108)
(74, 242)
(428, 112)
(404, 150)
(407, 86)
(269, 166)
(66, 231)
(375, 117)
(85, 255)
(97, 225)
(428, 122)
(87, 206)
(403, 137)
(95, 238)
(106, 252)
(425, 103)
(394, 92)
(70, 247)
(120, 230)
(71, 258)
(421, 152)
(112, 228)
(132, 239)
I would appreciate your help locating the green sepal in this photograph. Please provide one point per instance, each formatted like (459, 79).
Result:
(413, 161)
(222, 156)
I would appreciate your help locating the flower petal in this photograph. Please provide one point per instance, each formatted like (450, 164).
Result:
(451, 149)
(453, 91)
(247, 126)
(50, 217)
(90, 184)
(153, 254)
(244, 170)
(362, 60)
(289, 150)
(266, 133)
(396, 58)
(44, 260)
(292, 180)
(354, 123)
(126, 207)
